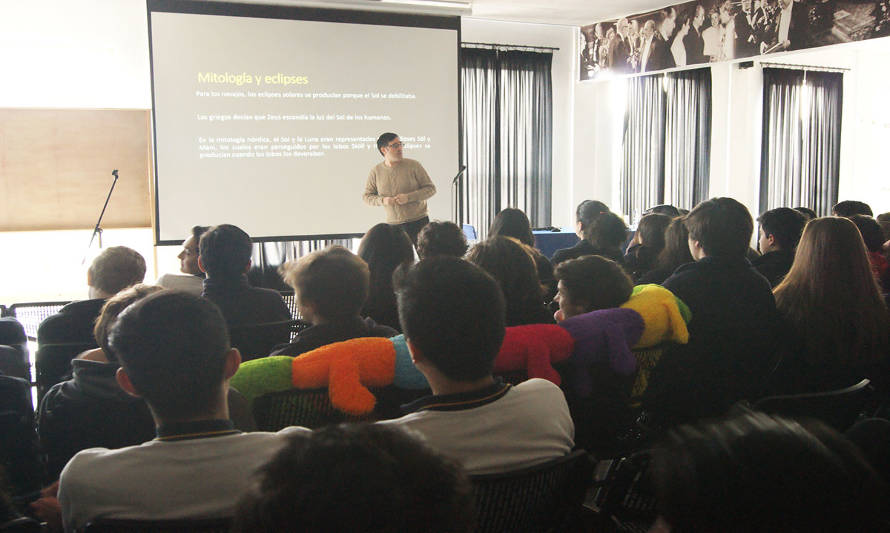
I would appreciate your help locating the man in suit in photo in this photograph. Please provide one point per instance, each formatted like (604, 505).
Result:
(693, 41)
(660, 56)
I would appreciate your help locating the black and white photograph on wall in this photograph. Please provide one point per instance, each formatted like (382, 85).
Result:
(692, 33)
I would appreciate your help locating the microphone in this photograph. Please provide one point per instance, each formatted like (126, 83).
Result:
(114, 173)
(463, 168)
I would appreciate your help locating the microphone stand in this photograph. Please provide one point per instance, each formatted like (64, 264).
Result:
(98, 230)
(458, 185)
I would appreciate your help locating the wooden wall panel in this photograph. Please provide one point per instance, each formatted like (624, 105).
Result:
(55, 168)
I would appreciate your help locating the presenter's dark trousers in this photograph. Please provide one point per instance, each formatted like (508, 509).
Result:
(413, 228)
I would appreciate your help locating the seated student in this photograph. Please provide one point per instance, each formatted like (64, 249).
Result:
(224, 255)
(508, 262)
(370, 478)
(848, 208)
(590, 283)
(453, 313)
(647, 243)
(838, 325)
(331, 286)
(441, 238)
(732, 331)
(674, 254)
(384, 248)
(761, 473)
(192, 279)
(91, 409)
(174, 352)
(115, 269)
(605, 236)
(586, 212)
(873, 238)
(780, 231)
(512, 222)
(808, 213)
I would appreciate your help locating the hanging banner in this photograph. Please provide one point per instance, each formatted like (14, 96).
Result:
(693, 33)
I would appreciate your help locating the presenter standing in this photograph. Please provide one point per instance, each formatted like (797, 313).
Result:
(401, 186)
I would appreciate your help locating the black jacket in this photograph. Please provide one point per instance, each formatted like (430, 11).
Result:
(774, 265)
(581, 248)
(324, 334)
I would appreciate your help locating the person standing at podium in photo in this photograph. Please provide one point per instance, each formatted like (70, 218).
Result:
(401, 186)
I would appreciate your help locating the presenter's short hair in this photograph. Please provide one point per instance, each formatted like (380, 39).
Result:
(117, 268)
(225, 251)
(453, 311)
(173, 346)
(722, 226)
(334, 280)
(384, 140)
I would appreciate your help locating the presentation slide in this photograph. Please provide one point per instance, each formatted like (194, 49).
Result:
(271, 123)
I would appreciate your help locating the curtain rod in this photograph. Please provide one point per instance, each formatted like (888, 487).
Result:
(496, 46)
(803, 67)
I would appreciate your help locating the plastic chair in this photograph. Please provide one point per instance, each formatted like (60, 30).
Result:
(838, 408)
(22, 524)
(623, 494)
(258, 340)
(53, 363)
(207, 525)
(539, 498)
(33, 313)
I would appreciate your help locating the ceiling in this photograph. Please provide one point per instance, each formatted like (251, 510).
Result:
(567, 12)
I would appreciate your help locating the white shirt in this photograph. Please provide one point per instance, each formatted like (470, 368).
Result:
(785, 23)
(711, 37)
(647, 45)
(196, 478)
(529, 425)
(678, 49)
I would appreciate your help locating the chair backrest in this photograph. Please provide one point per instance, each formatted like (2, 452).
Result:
(624, 494)
(14, 362)
(22, 524)
(207, 525)
(540, 498)
(53, 362)
(258, 340)
(838, 408)
(18, 441)
(33, 313)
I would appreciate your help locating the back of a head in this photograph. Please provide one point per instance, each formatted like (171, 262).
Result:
(651, 230)
(831, 291)
(453, 311)
(808, 213)
(512, 222)
(848, 208)
(785, 225)
(113, 307)
(722, 226)
(676, 246)
(116, 268)
(441, 238)
(607, 232)
(870, 231)
(225, 251)
(761, 473)
(367, 477)
(173, 346)
(384, 247)
(588, 210)
(595, 282)
(513, 268)
(664, 209)
(334, 281)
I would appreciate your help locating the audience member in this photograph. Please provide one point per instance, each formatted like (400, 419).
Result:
(884, 221)
(647, 243)
(590, 283)
(732, 330)
(606, 236)
(586, 212)
(674, 254)
(115, 269)
(256, 317)
(369, 478)
(453, 314)
(873, 238)
(848, 208)
(514, 269)
(663, 209)
(384, 248)
(91, 410)
(512, 222)
(780, 231)
(441, 238)
(331, 286)
(839, 329)
(174, 352)
(761, 473)
(807, 212)
(192, 279)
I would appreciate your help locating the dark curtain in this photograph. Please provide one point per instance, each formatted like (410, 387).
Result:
(687, 152)
(642, 171)
(507, 106)
(800, 155)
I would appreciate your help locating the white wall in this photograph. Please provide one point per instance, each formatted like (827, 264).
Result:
(562, 70)
(736, 124)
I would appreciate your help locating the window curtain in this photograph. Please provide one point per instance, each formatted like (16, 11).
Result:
(800, 155)
(687, 155)
(642, 171)
(507, 106)
(667, 141)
